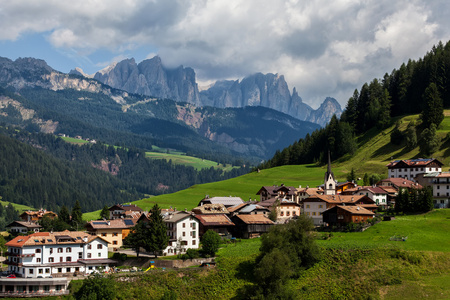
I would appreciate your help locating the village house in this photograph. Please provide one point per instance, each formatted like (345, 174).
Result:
(35, 216)
(113, 231)
(440, 182)
(183, 232)
(23, 227)
(249, 208)
(124, 211)
(210, 209)
(251, 225)
(410, 168)
(314, 206)
(341, 187)
(304, 193)
(340, 215)
(286, 209)
(57, 254)
(219, 223)
(377, 194)
(277, 192)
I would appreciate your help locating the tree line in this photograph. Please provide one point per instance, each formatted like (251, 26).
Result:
(417, 87)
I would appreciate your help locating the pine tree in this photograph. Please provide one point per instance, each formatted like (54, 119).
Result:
(64, 214)
(433, 112)
(158, 231)
(77, 215)
(104, 214)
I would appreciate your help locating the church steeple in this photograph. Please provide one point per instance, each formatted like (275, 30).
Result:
(329, 181)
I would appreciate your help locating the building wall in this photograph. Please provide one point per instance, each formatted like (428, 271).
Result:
(288, 210)
(314, 210)
(379, 199)
(43, 257)
(112, 235)
(410, 173)
(186, 231)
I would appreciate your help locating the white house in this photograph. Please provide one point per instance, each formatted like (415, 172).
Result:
(410, 168)
(45, 254)
(377, 194)
(440, 181)
(182, 229)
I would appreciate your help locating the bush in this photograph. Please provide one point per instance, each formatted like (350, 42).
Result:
(119, 256)
(210, 243)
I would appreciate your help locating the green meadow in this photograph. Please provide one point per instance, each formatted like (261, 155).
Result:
(74, 140)
(182, 159)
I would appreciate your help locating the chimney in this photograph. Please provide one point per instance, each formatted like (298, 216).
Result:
(109, 223)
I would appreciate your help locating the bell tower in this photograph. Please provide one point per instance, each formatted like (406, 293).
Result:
(329, 186)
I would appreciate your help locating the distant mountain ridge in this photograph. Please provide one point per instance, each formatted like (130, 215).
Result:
(46, 100)
(151, 78)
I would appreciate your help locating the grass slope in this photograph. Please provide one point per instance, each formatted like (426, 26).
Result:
(373, 154)
(362, 265)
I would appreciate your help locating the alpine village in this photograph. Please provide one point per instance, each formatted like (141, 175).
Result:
(105, 195)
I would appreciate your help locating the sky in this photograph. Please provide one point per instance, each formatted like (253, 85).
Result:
(323, 48)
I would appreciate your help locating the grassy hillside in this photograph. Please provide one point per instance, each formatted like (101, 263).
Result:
(362, 265)
(374, 152)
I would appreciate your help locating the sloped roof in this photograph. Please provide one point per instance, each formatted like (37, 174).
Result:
(214, 220)
(373, 190)
(420, 162)
(55, 238)
(227, 201)
(402, 182)
(270, 202)
(176, 216)
(255, 219)
(24, 224)
(356, 210)
(349, 199)
(112, 224)
(126, 207)
(217, 208)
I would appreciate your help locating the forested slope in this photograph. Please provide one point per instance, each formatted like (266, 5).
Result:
(417, 87)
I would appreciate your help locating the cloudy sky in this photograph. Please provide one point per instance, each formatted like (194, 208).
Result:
(322, 47)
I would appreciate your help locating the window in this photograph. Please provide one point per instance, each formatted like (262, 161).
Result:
(307, 206)
(103, 233)
(340, 217)
(320, 206)
(47, 270)
(60, 250)
(38, 260)
(193, 225)
(115, 234)
(61, 259)
(67, 270)
(438, 187)
(68, 258)
(68, 249)
(193, 235)
(99, 246)
(99, 254)
(288, 213)
(114, 242)
(51, 259)
(282, 213)
(31, 271)
(38, 250)
(59, 270)
(89, 247)
(184, 225)
(80, 255)
(184, 233)
(51, 250)
(89, 255)
(314, 213)
(40, 271)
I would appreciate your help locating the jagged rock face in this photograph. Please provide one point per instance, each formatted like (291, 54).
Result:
(151, 78)
(326, 110)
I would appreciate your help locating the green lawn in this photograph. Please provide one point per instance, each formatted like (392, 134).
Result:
(425, 232)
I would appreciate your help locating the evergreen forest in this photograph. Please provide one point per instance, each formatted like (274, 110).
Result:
(417, 87)
(41, 170)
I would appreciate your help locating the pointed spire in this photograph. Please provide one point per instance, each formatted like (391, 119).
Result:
(329, 162)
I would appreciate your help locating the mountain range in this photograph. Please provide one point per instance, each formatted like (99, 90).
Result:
(37, 97)
(151, 78)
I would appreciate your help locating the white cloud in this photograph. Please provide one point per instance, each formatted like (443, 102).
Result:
(324, 48)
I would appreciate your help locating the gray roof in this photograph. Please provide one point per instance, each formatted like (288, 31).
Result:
(227, 201)
(251, 207)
